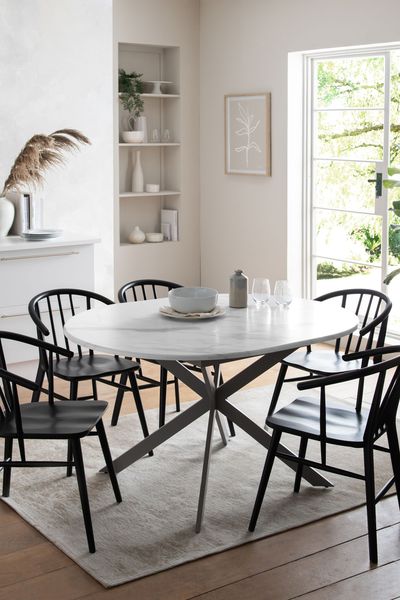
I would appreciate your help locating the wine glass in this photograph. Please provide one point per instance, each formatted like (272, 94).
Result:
(260, 291)
(282, 292)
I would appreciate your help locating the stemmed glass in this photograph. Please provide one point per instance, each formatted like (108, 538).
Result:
(282, 292)
(261, 291)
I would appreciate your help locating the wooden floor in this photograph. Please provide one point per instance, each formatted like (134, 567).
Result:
(325, 560)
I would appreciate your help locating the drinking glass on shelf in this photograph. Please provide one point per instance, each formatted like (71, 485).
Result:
(261, 291)
(166, 136)
(155, 136)
(282, 292)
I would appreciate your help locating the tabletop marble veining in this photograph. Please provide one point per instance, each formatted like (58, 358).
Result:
(138, 329)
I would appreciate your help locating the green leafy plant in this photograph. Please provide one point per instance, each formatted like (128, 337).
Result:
(370, 239)
(130, 87)
(389, 184)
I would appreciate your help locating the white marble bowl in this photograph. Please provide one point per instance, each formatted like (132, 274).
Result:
(193, 299)
(154, 236)
(133, 137)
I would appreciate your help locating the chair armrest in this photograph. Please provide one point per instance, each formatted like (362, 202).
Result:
(18, 380)
(317, 382)
(373, 352)
(31, 341)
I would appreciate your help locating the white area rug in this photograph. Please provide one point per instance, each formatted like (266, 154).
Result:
(153, 528)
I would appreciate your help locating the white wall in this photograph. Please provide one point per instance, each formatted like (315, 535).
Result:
(56, 72)
(244, 48)
(168, 23)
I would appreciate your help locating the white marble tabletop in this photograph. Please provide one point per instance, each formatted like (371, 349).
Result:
(138, 329)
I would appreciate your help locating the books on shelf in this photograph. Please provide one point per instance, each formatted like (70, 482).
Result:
(28, 211)
(169, 224)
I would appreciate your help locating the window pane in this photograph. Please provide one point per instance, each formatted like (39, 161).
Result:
(395, 108)
(354, 134)
(348, 236)
(344, 185)
(335, 275)
(349, 82)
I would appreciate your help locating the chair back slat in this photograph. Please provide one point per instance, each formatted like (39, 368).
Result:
(145, 289)
(372, 308)
(60, 305)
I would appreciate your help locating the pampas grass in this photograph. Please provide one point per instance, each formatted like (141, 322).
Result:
(40, 153)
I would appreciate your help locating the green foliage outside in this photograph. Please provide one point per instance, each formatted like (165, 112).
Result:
(344, 88)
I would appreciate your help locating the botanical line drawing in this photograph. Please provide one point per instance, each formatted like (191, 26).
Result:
(247, 129)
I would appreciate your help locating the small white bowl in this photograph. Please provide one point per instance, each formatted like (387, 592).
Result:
(152, 188)
(133, 137)
(154, 237)
(193, 299)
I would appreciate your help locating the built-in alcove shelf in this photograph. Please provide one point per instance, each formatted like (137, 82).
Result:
(160, 161)
(145, 194)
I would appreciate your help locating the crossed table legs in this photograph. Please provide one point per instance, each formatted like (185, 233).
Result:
(214, 400)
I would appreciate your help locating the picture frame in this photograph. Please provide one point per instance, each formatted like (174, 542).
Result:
(248, 134)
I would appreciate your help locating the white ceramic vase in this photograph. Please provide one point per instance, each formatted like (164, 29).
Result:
(137, 236)
(7, 212)
(137, 175)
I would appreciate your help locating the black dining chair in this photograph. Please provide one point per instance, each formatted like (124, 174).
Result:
(147, 289)
(332, 422)
(49, 311)
(372, 309)
(51, 420)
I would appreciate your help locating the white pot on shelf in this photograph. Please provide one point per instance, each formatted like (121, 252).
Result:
(7, 213)
(136, 236)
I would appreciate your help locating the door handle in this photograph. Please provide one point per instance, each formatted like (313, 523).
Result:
(378, 185)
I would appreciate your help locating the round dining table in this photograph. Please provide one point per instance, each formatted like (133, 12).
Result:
(267, 334)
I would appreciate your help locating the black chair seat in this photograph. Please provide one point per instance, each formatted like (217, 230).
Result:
(321, 362)
(302, 416)
(65, 419)
(88, 367)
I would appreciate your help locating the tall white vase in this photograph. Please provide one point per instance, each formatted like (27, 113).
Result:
(137, 175)
(7, 212)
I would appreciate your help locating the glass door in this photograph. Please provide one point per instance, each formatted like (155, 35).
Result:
(354, 135)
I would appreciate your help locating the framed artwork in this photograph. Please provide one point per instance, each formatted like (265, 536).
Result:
(248, 134)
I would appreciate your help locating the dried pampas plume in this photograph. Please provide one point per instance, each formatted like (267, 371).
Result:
(40, 153)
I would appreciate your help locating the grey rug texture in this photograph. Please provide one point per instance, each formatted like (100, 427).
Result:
(153, 528)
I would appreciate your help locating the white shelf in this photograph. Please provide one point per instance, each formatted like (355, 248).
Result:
(149, 144)
(157, 95)
(143, 194)
(127, 244)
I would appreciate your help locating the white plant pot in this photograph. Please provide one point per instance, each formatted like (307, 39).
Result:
(7, 212)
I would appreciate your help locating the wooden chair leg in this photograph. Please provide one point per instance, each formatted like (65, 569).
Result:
(269, 461)
(139, 406)
(163, 396)
(177, 397)
(370, 496)
(395, 458)
(118, 400)
(73, 395)
(299, 470)
(108, 460)
(8, 444)
(80, 475)
(94, 389)
(277, 389)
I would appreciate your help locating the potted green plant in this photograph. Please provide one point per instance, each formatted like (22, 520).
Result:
(130, 86)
